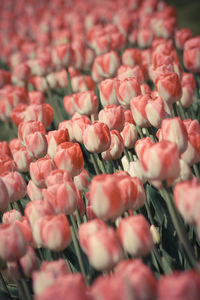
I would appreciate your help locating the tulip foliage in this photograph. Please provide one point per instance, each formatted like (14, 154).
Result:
(100, 165)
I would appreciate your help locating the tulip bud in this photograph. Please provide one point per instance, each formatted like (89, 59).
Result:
(13, 244)
(141, 279)
(11, 216)
(174, 130)
(96, 137)
(127, 89)
(113, 117)
(107, 89)
(161, 161)
(135, 236)
(52, 232)
(69, 157)
(16, 186)
(105, 187)
(129, 135)
(116, 147)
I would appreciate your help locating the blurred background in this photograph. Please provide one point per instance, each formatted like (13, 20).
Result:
(188, 13)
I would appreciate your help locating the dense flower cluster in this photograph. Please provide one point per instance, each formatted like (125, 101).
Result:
(99, 176)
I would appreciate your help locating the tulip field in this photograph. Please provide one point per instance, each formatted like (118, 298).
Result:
(99, 151)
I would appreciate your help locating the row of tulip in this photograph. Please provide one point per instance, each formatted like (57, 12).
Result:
(100, 191)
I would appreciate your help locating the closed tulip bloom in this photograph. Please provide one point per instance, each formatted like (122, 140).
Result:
(36, 144)
(187, 96)
(52, 232)
(33, 191)
(191, 54)
(62, 55)
(5, 149)
(55, 138)
(169, 87)
(36, 97)
(106, 65)
(111, 288)
(103, 249)
(20, 73)
(16, 186)
(4, 196)
(128, 116)
(180, 286)
(141, 194)
(29, 127)
(107, 89)
(86, 103)
(67, 124)
(113, 117)
(129, 135)
(116, 147)
(82, 181)
(141, 144)
(28, 262)
(131, 57)
(49, 271)
(22, 159)
(105, 197)
(87, 229)
(181, 36)
(13, 244)
(69, 157)
(135, 236)
(71, 285)
(36, 209)
(145, 38)
(57, 176)
(188, 207)
(26, 230)
(141, 279)
(138, 108)
(11, 216)
(26, 128)
(96, 137)
(40, 169)
(174, 130)
(78, 127)
(127, 89)
(185, 172)
(82, 83)
(192, 153)
(7, 164)
(40, 112)
(62, 197)
(155, 111)
(128, 189)
(136, 170)
(68, 102)
(161, 161)
(125, 72)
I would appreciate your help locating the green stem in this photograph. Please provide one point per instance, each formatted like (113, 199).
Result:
(182, 111)
(196, 171)
(127, 155)
(103, 167)
(179, 226)
(3, 284)
(139, 130)
(95, 164)
(24, 283)
(69, 85)
(78, 216)
(78, 252)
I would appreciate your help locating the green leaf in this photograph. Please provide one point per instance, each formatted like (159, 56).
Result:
(4, 295)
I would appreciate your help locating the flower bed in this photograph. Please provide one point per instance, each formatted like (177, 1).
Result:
(99, 179)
